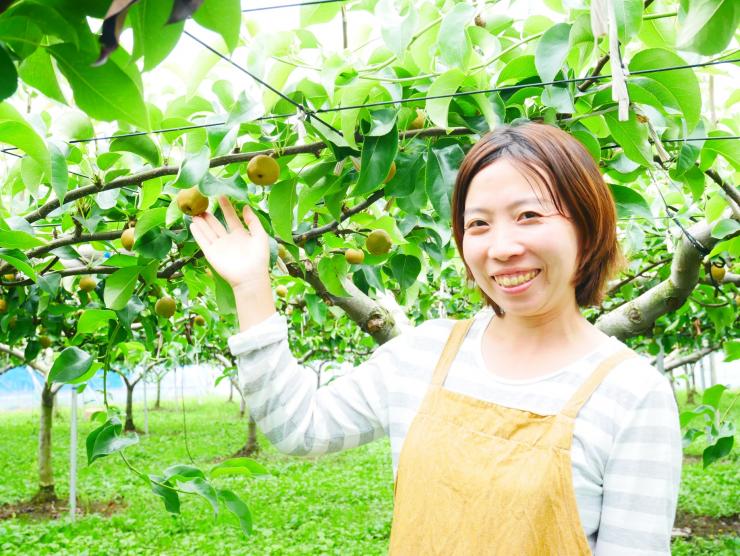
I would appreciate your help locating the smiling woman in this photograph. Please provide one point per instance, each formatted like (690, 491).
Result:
(524, 431)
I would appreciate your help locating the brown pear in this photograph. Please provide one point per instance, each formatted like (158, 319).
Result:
(192, 202)
(354, 256)
(127, 239)
(263, 170)
(165, 307)
(88, 283)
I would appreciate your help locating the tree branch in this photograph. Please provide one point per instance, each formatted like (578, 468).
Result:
(638, 315)
(20, 356)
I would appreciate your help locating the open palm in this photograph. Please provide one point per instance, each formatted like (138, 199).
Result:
(240, 255)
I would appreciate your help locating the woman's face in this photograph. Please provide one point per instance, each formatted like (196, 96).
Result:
(521, 252)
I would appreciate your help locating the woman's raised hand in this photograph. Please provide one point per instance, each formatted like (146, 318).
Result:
(240, 255)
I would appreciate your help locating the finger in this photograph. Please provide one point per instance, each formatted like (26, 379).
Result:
(232, 220)
(252, 222)
(200, 238)
(214, 224)
(199, 222)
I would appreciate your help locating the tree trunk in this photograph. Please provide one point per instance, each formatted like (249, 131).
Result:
(46, 491)
(157, 405)
(231, 391)
(243, 407)
(129, 424)
(252, 446)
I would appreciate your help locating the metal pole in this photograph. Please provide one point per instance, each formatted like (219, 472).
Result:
(146, 410)
(73, 457)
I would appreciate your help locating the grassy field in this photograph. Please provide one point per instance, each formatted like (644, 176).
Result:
(336, 504)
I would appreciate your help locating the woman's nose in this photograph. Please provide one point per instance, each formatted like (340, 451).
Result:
(504, 244)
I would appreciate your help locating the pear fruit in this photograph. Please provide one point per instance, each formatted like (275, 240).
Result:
(378, 242)
(45, 341)
(418, 122)
(192, 202)
(282, 291)
(88, 283)
(354, 256)
(165, 307)
(9, 277)
(127, 239)
(718, 273)
(263, 170)
(198, 320)
(3, 305)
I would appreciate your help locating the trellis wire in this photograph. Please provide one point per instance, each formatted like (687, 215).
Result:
(298, 5)
(381, 103)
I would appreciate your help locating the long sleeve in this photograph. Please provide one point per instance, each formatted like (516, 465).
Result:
(642, 477)
(295, 415)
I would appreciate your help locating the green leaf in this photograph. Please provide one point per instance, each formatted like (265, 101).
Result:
(69, 365)
(453, 41)
(107, 439)
(182, 472)
(397, 32)
(238, 466)
(235, 505)
(169, 496)
(148, 220)
(632, 136)
(405, 269)
(437, 108)
(331, 272)
(153, 38)
(732, 350)
(730, 149)
(378, 154)
(588, 140)
(14, 130)
(721, 229)
(712, 395)
(517, 70)
(234, 187)
(105, 92)
(92, 319)
(21, 34)
(682, 83)
(36, 70)
(59, 172)
(202, 488)
(119, 287)
(318, 13)
(140, 145)
(222, 16)
(8, 74)
(193, 168)
(15, 239)
(629, 202)
(720, 449)
(19, 260)
(708, 26)
(629, 18)
(441, 171)
(153, 245)
(552, 49)
(281, 202)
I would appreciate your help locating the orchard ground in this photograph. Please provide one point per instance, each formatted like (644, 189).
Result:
(335, 504)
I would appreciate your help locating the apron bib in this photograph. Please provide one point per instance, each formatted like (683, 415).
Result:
(475, 477)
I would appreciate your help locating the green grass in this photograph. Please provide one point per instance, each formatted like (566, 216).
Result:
(336, 504)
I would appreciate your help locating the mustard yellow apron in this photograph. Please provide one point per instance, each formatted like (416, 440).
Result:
(475, 477)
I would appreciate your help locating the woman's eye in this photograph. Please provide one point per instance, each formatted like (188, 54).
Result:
(529, 214)
(474, 223)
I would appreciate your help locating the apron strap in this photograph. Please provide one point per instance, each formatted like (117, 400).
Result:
(583, 393)
(450, 350)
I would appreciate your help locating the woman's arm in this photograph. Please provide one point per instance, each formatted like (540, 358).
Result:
(295, 415)
(642, 477)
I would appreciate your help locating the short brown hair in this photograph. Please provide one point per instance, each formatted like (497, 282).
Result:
(572, 178)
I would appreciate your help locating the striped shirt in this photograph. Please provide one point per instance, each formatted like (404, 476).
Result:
(626, 451)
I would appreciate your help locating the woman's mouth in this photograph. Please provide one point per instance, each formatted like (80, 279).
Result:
(511, 281)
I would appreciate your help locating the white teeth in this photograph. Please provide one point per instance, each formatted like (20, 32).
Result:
(511, 280)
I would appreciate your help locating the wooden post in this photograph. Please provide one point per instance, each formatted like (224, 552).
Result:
(73, 456)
